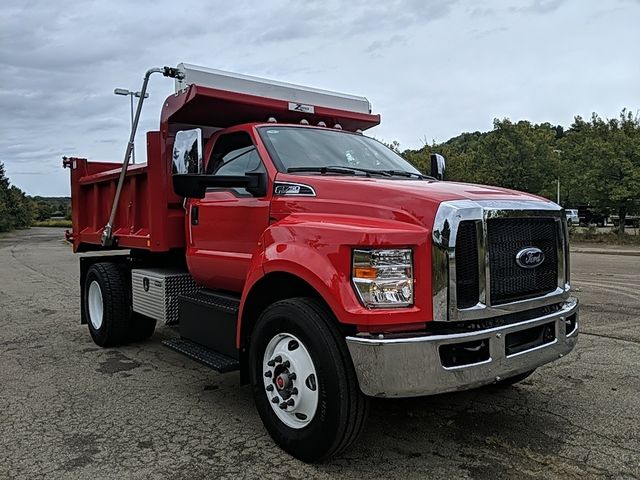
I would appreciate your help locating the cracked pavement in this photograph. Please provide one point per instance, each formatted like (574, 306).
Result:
(69, 409)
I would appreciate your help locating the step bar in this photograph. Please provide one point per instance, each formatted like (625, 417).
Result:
(217, 361)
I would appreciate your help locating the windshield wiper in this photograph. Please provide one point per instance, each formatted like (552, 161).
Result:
(353, 170)
(343, 170)
(339, 169)
(403, 173)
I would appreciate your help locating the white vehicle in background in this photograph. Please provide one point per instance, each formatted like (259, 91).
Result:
(572, 216)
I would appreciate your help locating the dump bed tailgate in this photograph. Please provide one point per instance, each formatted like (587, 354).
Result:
(149, 215)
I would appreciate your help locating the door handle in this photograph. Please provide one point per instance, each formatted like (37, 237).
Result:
(195, 215)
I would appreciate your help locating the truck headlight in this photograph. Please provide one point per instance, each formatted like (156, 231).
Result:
(383, 278)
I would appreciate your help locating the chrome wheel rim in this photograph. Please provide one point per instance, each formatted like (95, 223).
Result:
(290, 380)
(96, 309)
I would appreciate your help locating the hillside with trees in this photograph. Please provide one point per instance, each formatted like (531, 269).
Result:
(597, 161)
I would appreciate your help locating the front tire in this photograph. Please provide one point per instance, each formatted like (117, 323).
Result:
(304, 384)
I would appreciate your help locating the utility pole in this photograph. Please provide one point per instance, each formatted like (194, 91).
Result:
(559, 152)
(124, 91)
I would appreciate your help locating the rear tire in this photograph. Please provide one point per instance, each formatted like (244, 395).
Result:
(107, 305)
(111, 321)
(309, 342)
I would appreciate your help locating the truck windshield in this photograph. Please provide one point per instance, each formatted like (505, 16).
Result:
(300, 149)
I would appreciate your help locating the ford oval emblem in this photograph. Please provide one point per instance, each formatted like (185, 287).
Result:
(530, 257)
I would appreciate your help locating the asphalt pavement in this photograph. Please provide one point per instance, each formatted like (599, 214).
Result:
(69, 409)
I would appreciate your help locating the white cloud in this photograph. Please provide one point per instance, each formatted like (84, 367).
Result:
(432, 69)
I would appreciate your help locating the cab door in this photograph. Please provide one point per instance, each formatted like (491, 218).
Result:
(225, 226)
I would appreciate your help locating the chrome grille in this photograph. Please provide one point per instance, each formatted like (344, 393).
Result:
(505, 238)
(474, 248)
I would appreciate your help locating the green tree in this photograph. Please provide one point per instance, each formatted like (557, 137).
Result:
(604, 159)
(16, 209)
(5, 219)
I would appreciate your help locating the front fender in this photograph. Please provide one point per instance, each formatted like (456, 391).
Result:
(318, 249)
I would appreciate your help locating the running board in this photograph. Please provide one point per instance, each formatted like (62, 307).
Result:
(212, 359)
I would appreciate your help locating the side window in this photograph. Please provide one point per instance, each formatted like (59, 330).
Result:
(239, 162)
(234, 154)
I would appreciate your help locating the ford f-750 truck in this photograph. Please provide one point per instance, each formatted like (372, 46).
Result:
(282, 242)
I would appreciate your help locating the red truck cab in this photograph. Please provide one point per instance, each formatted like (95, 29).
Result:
(282, 242)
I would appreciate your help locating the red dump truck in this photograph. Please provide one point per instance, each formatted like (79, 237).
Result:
(282, 242)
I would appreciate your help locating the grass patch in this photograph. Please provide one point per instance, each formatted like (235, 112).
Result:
(52, 223)
(592, 235)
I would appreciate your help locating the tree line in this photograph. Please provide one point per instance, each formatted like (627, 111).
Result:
(18, 210)
(596, 161)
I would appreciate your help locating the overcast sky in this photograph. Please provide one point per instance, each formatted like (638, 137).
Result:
(431, 68)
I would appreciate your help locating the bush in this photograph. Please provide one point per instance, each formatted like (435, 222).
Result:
(52, 223)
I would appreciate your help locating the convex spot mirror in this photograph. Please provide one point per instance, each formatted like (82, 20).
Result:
(187, 152)
(438, 166)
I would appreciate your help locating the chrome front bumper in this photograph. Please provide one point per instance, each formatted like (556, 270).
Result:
(412, 366)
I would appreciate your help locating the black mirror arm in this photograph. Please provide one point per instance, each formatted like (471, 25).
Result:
(258, 185)
(193, 185)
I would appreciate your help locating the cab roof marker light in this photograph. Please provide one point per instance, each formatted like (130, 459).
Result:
(272, 120)
(322, 124)
(359, 132)
(337, 126)
(304, 121)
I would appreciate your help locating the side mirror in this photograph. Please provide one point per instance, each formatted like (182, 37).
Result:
(194, 185)
(187, 152)
(438, 166)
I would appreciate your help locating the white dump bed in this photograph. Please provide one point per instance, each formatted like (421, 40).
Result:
(303, 97)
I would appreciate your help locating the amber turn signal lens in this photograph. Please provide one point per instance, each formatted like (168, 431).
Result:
(365, 272)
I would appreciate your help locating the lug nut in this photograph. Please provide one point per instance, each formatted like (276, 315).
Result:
(269, 388)
(291, 402)
(292, 376)
(286, 364)
(274, 400)
(271, 363)
(294, 391)
(268, 373)
(278, 359)
(283, 405)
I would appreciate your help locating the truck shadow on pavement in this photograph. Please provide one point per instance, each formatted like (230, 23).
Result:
(483, 432)
(490, 432)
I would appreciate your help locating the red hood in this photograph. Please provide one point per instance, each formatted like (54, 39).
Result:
(412, 201)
